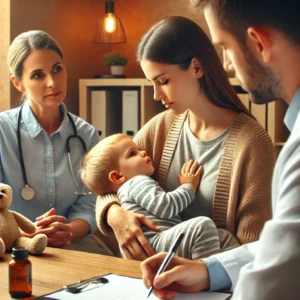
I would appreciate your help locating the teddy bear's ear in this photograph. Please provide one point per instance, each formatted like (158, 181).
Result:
(5, 186)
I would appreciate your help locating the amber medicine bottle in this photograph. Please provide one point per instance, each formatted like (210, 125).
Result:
(20, 279)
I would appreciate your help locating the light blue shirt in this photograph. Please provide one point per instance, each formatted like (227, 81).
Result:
(46, 164)
(285, 205)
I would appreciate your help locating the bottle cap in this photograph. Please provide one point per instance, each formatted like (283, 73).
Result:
(19, 253)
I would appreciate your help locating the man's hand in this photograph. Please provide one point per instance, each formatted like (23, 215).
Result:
(127, 229)
(182, 275)
(190, 173)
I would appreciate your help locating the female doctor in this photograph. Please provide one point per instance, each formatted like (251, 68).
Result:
(42, 145)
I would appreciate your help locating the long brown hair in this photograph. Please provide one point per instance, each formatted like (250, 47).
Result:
(176, 40)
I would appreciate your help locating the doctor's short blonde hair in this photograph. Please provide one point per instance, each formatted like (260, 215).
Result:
(99, 162)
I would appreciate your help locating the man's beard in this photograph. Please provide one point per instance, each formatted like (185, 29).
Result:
(262, 84)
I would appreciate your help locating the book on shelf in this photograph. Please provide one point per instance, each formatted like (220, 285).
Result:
(106, 112)
(130, 112)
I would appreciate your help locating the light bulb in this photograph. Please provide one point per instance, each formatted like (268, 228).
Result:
(110, 23)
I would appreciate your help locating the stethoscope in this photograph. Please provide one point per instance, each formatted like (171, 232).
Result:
(27, 192)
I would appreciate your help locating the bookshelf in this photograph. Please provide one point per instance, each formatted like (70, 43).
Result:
(270, 115)
(148, 107)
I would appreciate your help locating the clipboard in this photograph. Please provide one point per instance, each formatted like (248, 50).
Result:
(49, 295)
(123, 288)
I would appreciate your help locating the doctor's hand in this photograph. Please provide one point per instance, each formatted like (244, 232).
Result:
(59, 233)
(182, 275)
(127, 229)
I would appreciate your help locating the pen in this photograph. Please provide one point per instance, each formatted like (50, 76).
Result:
(167, 259)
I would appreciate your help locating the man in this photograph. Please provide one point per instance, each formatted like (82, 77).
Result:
(261, 43)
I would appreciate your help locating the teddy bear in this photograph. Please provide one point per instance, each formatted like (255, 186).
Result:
(10, 224)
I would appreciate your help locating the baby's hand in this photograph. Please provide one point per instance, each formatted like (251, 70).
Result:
(190, 174)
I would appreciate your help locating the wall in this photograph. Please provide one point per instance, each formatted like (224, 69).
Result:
(72, 24)
(4, 44)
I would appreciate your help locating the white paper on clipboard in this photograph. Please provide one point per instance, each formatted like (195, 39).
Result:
(126, 288)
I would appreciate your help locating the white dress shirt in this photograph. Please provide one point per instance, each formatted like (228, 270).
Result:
(269, 268)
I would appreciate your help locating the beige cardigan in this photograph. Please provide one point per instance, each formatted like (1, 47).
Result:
(242, 199)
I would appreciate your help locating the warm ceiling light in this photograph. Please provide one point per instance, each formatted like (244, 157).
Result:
(110, 22)
(110, 30)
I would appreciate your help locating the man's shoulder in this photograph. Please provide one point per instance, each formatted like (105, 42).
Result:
(296, 128)
(291, 149)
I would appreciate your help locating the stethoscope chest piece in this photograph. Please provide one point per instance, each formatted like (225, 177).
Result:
(27, 192)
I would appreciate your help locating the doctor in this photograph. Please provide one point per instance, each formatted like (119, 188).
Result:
(33, 146)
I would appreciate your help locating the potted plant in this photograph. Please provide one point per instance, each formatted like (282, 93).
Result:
(116, 62)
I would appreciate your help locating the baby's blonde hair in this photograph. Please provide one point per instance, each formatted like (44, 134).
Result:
(99, 162)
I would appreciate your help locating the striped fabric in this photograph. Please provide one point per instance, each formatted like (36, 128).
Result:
(143, 195)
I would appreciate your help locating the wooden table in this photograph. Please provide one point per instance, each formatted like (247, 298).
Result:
(58, 267)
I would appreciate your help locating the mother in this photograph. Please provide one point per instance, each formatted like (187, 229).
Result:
(205, 121)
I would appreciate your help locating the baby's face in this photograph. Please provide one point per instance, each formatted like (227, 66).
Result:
(132, 161)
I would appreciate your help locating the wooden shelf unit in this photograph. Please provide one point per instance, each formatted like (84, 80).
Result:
(148, 107)
(270, 116)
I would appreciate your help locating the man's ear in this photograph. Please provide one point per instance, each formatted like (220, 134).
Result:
(116, 177)
(196, 67)
(17, 83)
(259, 42)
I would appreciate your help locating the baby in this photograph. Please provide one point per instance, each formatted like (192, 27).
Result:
(116, 165)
